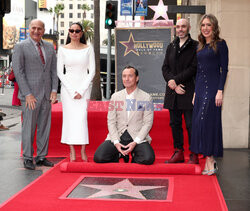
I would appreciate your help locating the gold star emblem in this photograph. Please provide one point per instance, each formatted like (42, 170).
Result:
(130, 45)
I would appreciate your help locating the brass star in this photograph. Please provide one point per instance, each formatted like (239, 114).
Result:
(130, 45)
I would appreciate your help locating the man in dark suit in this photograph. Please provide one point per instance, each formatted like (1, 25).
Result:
(34, 65)
(179, 69)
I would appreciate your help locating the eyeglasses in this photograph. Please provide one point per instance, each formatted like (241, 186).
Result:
(77, 31)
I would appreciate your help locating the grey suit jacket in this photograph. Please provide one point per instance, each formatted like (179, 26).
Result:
(32, 76)
(140, 118)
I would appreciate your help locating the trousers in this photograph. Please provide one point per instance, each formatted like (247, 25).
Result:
(107, 153)
(176, 125)
(40, 119)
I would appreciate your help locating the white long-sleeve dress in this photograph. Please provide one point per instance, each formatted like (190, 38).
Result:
(80, 71)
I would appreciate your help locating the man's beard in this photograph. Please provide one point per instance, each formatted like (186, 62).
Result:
(183, 36)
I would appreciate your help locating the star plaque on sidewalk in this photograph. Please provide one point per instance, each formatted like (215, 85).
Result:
(121, 188)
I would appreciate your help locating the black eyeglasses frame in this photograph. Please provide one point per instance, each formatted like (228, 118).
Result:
(77, 31)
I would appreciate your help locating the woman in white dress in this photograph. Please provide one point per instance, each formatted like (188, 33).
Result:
(76, 83)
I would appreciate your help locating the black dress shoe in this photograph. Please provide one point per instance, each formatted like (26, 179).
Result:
(125, 158)
(44, 162)
(28, 164)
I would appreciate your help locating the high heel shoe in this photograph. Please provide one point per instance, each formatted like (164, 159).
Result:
(204, 172)
(213, 171)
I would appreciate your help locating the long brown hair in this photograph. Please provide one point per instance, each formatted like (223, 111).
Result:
(215, 32)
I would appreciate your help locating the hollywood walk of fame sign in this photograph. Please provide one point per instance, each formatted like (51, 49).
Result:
(123, 188)
(144, 49)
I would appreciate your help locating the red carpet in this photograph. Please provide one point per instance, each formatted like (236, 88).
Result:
(189, 192)
(97, 123)
(130, 168)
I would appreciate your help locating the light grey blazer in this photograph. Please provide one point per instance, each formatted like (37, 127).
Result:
(140, 118)
(34, 77)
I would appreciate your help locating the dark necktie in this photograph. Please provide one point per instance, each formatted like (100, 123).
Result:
(40, 52)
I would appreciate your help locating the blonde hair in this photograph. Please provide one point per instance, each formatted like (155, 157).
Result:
(215, 33)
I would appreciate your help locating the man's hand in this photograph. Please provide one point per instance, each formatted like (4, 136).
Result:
(119, 148)
(78, 96)
(172, 84)
(53, 97)
(30, 102)
(180, 89)
(130, 147)
(219, 98)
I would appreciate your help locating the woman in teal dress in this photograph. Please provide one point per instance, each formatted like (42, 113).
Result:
(212, 68)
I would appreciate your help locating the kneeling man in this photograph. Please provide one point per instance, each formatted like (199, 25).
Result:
(130, 118)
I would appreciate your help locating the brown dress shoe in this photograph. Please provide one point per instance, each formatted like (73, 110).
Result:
(2, 127)
(177, 157)
(193, 159)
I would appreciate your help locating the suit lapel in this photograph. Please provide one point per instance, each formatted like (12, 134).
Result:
(174, 53)
(34, 50)
(124, 109)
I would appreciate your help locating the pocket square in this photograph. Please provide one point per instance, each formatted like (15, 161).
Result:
(140, 108)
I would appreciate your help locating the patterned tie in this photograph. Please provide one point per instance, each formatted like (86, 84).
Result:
(40, 52)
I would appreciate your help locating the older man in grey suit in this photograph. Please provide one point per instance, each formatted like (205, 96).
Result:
(130, 119)
(34, 65)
